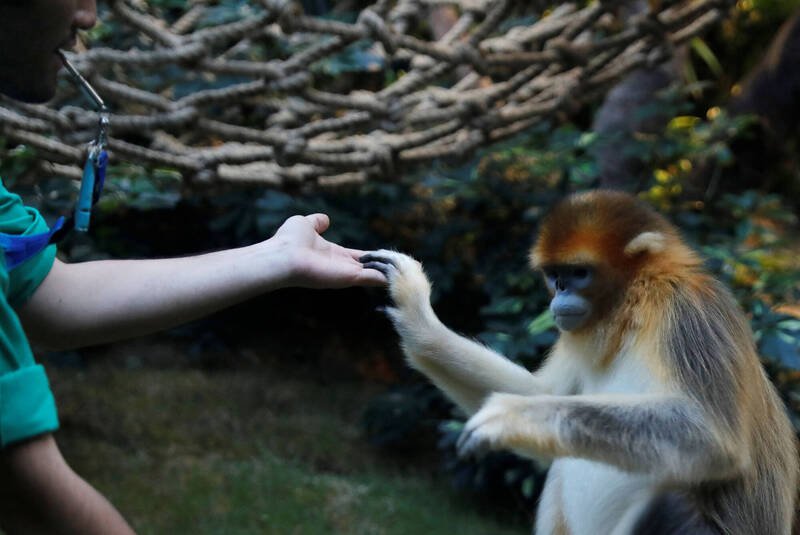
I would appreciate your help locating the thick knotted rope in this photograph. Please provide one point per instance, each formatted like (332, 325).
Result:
(281, 120)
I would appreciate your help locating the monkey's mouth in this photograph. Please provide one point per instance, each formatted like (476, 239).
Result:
(569, 321)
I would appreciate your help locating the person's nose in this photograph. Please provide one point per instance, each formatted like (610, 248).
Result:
(86, 14)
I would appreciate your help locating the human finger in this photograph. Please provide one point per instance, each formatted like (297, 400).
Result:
(371, 277)
(319, 221)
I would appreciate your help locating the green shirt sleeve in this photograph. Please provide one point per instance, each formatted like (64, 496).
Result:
(18, 219)
(27, 406)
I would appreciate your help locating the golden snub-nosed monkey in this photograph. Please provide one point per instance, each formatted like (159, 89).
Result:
(652, 404)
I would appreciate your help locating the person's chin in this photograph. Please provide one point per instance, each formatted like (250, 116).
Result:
(32, 96)
(36, 84)
(37, 93)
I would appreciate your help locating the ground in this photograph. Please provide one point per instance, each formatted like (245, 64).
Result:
(190, 431)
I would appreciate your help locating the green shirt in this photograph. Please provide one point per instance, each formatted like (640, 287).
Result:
(27, 407)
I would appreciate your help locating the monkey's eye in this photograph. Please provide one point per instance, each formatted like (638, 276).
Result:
(581, 273)
(551, 274)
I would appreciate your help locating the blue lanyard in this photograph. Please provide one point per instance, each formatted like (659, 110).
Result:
(17, 248)
(94, 176)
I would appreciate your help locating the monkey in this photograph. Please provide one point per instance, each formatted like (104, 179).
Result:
(652, 405)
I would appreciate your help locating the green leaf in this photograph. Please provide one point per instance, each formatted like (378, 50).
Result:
(709, 58)
(528, 486)
(505, 305)
(543, 322)
(790, 325)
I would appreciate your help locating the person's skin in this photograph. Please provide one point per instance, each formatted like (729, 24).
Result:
(93, 302)
(32, 32)
(40, 494)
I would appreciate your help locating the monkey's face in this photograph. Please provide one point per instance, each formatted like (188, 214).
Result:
(571, 308)
(582, 294)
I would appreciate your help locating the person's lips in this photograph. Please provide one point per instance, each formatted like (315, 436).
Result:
(68, 44)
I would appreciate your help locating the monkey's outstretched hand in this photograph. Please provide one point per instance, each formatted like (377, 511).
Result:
(466, 371)
(409, 289)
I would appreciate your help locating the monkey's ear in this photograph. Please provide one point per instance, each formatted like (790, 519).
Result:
(535, 259)
(646, 242)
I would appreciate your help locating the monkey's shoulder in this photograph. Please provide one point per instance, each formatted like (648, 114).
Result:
(705, 329)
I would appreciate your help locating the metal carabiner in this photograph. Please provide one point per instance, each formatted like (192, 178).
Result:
(94, 170)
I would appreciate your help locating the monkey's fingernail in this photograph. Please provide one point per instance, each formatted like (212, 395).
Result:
(377, 266)
(461, 444)
(372, 258)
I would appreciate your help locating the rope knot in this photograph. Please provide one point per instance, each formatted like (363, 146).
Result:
(405, 11)
(659, 55)
(650, 23)
(473, 107)
(384, 157)
(288, 153)
(477, 8)
(284, 13)
(292, 82)
(466, 53)
(568, 52)
(476, 115)
(376, 28)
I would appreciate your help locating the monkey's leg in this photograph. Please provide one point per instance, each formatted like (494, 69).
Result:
(465, 370)
(669, 437)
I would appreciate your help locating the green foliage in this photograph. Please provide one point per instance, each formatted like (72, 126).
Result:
(17, 162)
(410, 408)
(135, 187)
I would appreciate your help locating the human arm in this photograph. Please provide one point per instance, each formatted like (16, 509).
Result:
(96, 302)
(40, 493)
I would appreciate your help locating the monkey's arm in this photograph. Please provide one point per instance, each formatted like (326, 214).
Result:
(668, 436)
(463, 369)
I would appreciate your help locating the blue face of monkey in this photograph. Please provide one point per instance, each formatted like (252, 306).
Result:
(570, 309)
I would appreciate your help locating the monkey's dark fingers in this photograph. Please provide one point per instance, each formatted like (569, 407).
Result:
(375, 256)
(385, 268)
(389, 311)
(472, 444)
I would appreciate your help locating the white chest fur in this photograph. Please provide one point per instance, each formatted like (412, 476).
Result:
(597, 498)
(628, 374)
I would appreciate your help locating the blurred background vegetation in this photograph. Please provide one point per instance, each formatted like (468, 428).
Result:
(294, 413)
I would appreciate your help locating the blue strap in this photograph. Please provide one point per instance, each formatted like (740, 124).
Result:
(17, 249)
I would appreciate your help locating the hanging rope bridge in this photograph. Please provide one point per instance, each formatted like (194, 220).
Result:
(249, 99)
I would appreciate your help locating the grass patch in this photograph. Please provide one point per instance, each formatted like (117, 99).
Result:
(247, 451)
(266, 494)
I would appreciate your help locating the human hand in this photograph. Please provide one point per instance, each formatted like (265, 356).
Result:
(313, 262)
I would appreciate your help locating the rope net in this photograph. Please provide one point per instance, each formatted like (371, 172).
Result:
(249, 98)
